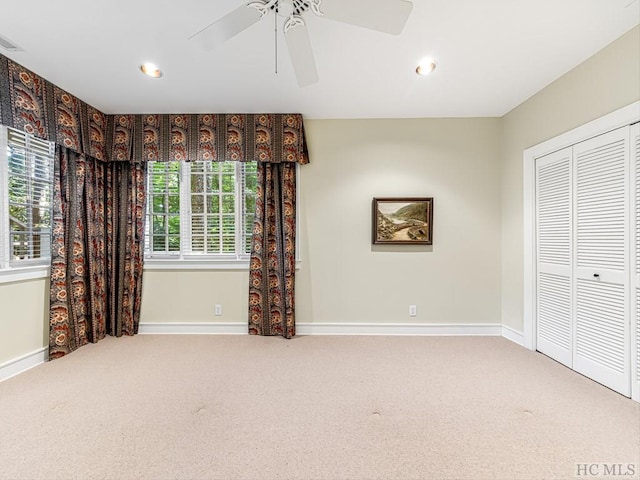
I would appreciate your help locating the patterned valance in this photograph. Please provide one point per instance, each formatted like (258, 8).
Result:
(30, 103)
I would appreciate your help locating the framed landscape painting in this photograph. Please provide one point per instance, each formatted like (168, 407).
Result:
(402, 221)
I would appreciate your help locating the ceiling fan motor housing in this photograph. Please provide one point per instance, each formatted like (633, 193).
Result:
(286, 8)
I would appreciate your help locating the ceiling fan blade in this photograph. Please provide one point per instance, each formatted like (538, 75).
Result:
(389, 16)
(226, 27)
(299, 45)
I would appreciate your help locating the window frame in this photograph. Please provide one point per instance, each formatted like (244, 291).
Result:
(184, 259)
(24, 269)
(212, 262)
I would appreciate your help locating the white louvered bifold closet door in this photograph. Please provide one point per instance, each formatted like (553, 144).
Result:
(553, 229)
(601, 269)
(635, 265)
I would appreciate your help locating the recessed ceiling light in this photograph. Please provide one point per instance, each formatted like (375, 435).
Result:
(151, 70)
(426, 66)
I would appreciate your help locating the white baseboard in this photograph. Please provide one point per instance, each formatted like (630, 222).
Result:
(396, 329)
(22, 364)
(328, 329)
(177, 328)
(513, 335)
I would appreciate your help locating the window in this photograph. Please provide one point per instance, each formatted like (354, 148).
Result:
(200, 210)
(26, 189)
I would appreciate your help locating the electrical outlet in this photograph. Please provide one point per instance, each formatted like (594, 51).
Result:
(218, 310)
(413, 310)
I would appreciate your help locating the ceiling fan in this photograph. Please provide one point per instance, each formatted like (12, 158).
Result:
(389, 16)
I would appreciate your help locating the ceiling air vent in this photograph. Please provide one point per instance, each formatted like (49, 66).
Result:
(9, 45)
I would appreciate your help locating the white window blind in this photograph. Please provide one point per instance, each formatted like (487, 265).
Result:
(200, 210)
(163, 208)
(26, 177)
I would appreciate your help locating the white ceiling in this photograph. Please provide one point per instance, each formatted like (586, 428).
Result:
(492, 54)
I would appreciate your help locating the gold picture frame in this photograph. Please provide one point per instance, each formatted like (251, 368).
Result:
(402, 221)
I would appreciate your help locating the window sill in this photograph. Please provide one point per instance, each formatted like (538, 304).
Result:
(21, 274)
(188, 265)
(170, 264)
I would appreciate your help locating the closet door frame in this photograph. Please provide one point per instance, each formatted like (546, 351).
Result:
(623, 117)
(634, 158)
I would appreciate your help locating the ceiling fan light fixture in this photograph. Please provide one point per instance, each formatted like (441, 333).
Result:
(426, 66)
(151, 70)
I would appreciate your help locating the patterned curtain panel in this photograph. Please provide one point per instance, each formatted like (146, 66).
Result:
(97, 250)
(273, 253)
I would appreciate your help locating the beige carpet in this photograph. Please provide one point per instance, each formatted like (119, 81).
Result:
(240, 407)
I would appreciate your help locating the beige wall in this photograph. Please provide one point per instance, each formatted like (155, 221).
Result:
(607, 81)
(24, 309)
(346, 279)
(190, 296)
(343, 278)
